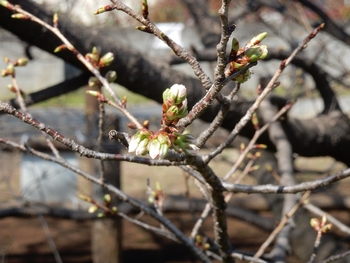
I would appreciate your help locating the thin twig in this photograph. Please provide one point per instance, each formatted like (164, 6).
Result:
(270, 86)
(80, 57)
(281, 225)
(331, 219)
(292, 189)
(216, 123)
(316, 246)
(252, 142)
(122, 196)
(49, 238)
(336, 257)
(174, 159)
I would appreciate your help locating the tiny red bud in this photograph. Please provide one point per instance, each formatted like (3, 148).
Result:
(104, 9)
(59, 48)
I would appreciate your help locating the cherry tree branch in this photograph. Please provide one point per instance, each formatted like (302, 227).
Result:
(285, 167)
(122, 196)
(83, 151)
(292, 189)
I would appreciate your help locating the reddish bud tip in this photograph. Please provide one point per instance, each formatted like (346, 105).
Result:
(59, 48)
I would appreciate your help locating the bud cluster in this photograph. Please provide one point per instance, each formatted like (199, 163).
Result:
(320, 226)
(10, 69)
(174, 104)
(240, 57)
(97, 61)
(157, 144)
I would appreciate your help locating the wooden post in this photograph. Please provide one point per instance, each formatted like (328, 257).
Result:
(106, 233)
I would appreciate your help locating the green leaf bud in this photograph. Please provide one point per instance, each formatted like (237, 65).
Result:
(106, 60)
(111, 76)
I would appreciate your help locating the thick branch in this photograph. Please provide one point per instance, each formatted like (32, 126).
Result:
(148, 78)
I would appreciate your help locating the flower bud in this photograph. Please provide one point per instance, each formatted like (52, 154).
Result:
(138, 143)
(183, 110)
(172, 113)
(21, 62)
(254, 168)
(92, 58)
(158, 147)
(10, 70)
(92, 209)
(176, 94)
(95, 53)
(101, 215)
(107, 198)
(106, 60)
(142, 147)
(254, 53)
(5, 4)
(244, 77)
(145, 29)
(255, 121)
(326, 228)
(59, 48)
(256, 40)
(13, 89)
(20, 16)
(111, 76)
(93, 93)
(187, 143)
(315, 223)
(93, 82)
(85, 198)
(55, 19)
(242, 147)
(6, 59)
(4, 73)
(104, 9)
(235, 45)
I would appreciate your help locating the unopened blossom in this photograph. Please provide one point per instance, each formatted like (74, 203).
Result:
(175, 95)
(138, 142)
(158, 147)
(177, 112)
(187, 144)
